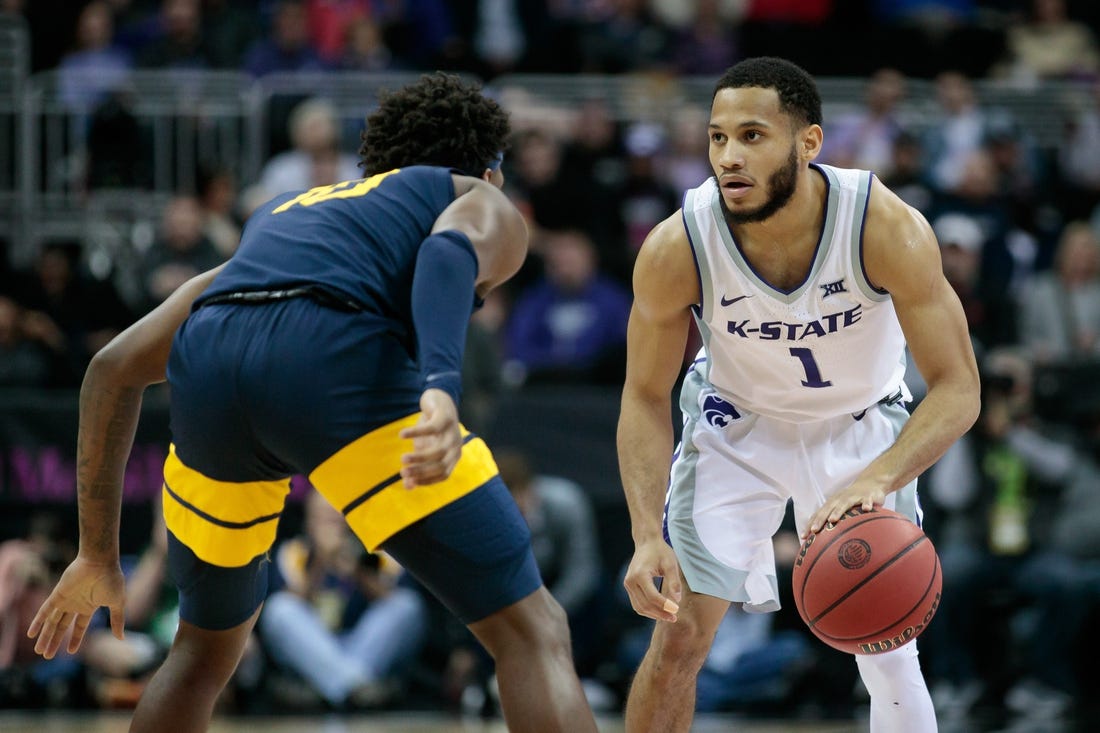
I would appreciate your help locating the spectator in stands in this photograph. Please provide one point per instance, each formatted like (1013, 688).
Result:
(566, 544)
(1060, 308)
(1010, 252)
(989, 317)
(29, 566)
(25, 360)
(1049, 44)
(563, 534)
(338, 617)
(180, 252)
(958, 133)
(95, 65)
(906, 172)
(646, 197)
(993, 502)
(118, 156)
(217, 195)
(329, 23)
(482, 367)
(707, 44)
(118, 669)
(1018, 163)
(865, 138)
(366, 48)
(622, 37)
(69, 310)
(1079, 158)
(316, 158)
(501, 36)
(287, 46)
(228, 29)
(685, 165)
(571, 325)
(557, 198)
(178, 41)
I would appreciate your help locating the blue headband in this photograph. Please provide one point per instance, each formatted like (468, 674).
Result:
(494, 164)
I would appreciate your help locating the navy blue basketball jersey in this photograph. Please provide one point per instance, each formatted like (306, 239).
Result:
(357, 240)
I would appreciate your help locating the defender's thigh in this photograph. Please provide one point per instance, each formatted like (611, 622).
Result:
(473, 554)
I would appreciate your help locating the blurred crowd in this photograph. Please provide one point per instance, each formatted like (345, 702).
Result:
(1014, 507)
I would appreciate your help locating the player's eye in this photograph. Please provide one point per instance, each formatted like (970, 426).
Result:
(717, 137)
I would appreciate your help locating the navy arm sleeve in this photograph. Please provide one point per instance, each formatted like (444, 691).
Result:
(442, 301)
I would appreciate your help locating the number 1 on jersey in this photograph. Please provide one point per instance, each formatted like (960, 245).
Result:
(813, 374)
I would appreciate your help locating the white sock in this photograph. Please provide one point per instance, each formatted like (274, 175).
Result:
(900, 702)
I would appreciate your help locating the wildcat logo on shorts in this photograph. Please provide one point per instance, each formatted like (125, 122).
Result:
(854, 554)
(718, 412)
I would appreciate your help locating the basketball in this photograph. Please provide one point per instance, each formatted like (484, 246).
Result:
(869, 583)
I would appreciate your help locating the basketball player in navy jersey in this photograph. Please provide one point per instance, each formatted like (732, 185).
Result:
(330, 345)
(806, 282)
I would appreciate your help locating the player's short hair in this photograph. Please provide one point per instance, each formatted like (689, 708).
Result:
(438, 120)
(798, 95)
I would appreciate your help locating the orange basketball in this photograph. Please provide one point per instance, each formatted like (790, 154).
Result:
(868, 584)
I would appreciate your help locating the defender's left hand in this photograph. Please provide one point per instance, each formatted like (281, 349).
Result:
(437, 441)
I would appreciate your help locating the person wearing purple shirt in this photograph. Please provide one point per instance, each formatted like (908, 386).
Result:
(571, 324)
(287, 46)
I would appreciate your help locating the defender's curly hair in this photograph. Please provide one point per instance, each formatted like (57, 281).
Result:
(438, 120)
(797, 90)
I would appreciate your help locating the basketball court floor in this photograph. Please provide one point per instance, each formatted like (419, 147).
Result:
(417, 722)
(388, 723)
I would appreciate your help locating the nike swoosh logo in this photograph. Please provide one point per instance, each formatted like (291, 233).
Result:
(731, 301)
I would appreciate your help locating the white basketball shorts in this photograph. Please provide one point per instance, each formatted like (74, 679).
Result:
(734, 472)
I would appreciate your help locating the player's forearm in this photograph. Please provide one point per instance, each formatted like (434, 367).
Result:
(645, 452)
(943, 416)
(109, 411)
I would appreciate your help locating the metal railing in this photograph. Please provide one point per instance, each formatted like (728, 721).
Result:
(180, 121)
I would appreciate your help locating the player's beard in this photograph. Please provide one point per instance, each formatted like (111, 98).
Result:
(781, 186)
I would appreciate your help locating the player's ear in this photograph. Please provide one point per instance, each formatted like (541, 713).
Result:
(810, 142)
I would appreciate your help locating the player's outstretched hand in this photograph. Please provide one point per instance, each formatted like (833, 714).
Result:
(83, 588)
(654, 559)
(437, 441)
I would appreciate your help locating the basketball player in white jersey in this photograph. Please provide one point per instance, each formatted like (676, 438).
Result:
(806, 282)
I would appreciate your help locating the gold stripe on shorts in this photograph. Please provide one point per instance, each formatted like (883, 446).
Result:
(224, 523)
(363, 480)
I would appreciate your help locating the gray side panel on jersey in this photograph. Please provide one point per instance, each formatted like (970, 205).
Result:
(703, 572)
(695, 238)
(863, 196)
(906, 502)
(819, 258)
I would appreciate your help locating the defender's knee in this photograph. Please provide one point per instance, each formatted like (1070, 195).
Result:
(538, 623)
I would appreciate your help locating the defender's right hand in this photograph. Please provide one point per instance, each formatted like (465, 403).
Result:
(82, 589)
(654, 559)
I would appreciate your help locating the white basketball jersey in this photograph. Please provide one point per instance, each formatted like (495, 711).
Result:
(830, 346)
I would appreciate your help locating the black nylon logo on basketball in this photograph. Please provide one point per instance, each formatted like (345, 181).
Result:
(854, 554)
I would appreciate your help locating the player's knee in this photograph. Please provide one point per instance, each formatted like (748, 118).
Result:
(686, 641)
(537, 624)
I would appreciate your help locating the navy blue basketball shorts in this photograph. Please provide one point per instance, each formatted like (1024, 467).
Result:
(260, 393)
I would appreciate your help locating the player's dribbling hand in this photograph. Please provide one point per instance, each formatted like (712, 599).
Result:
(654, 559)
(832, 511)
(437, 441)
(84, 587)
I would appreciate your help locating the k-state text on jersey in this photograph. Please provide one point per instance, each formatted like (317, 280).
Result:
(779, 330)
